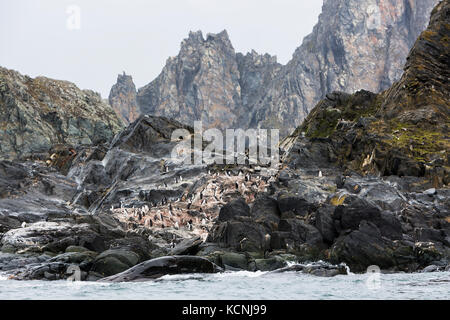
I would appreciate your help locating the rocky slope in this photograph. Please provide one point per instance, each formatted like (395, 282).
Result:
(363, 181)
(355, 45)
(122, 98)
(37, 114)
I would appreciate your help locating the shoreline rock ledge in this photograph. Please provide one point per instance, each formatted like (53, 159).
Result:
(168, 265)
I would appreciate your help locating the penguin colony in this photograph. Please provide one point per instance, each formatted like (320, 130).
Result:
(195, 211)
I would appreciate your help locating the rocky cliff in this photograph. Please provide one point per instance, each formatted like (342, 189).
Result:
(122, 98)
(355, 45)
(204, 82)
(363, 181)
(37, 114)
(403, 130)
(383, 156)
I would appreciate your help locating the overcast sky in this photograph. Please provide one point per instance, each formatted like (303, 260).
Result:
(43, 37)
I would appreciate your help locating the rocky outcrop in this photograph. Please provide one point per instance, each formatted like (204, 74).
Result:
(355, 45)
(401, 220)
(201, 83)
(37, 114)
(156, 268)
(401, 131)
(363, 181)
(122, 98)
(208, 81)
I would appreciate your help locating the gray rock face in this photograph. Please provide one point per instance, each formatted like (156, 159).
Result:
(36, 114)
(355, 45)
(122, 98)
(207, 81)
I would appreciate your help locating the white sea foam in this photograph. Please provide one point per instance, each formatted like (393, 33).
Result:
(179, 277)
(348, 270)
(243, 273)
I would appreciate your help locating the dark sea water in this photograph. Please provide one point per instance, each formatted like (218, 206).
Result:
(242, 285)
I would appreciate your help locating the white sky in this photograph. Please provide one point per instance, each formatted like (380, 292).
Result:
(137, 36)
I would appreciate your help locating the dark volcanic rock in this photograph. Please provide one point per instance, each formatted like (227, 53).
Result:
(364, 247)
(187, 247)
(114, 261)
(236, 208)
(320, 269)
(156, 268)
(242, 235)
(325, 223)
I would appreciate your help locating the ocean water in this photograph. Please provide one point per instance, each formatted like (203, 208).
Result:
(241, 285)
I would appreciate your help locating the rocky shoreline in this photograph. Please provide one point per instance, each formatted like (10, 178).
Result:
(363, 181)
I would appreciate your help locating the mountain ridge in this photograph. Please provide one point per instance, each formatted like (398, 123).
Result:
(369, 38)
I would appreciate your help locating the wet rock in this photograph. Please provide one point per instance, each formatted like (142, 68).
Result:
(82, 260)
(156, 268)
(115, 261)
(429, 234)
(265, 211)
(355, 209)
(76, 249)
(363, 247)
(43, 271)
(431, 268)
(270, 264)
(299, 232)
(91, 232)
(320, 269)
(340, 181)
(234, 260)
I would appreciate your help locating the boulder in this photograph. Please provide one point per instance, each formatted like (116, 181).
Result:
(363, 247)
(320, 269)
(236, 208)
(156, 268)
(265, 211)
(234, 260)
(241, 235)
(324, 223)
(297, 206)
(270, 264)
(114, 261)
(187, 247)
